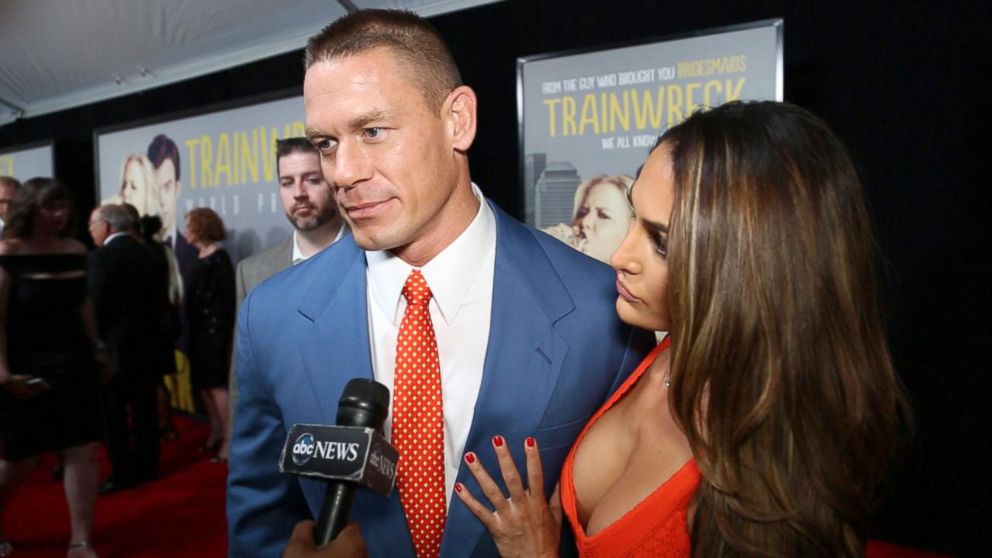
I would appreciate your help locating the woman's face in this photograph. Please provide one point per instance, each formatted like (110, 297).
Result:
(53, 216)
(188, 233)
(135, 190)
(641, 259)
(602, 220)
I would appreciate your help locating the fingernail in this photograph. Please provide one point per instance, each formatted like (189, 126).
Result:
(470, 458)
(531, 442)
(498, 441)
(458, 487)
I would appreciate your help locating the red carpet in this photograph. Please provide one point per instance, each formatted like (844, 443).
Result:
(181, 514)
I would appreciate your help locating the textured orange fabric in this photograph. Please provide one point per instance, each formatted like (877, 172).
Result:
(418, 427)
(657, 525)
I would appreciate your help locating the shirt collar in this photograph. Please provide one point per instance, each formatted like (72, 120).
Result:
(112, 236)
(298, 254)
(449, 274)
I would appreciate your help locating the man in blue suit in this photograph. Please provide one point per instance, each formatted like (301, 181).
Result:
(528, 340)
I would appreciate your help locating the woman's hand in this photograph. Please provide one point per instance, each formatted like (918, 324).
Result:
(23, 386)
(523, 524)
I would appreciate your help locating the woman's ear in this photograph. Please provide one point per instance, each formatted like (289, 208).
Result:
(460, 109)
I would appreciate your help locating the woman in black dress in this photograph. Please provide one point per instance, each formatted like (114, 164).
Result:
(210, 310)
(49, 380)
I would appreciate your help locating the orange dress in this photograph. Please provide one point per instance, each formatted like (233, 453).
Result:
(657, 525)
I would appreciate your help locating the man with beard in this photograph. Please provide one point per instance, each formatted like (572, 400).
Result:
(310, 208)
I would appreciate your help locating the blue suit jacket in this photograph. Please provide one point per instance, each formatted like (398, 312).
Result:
(556, 350)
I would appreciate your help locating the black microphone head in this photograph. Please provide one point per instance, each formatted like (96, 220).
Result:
(364, 403)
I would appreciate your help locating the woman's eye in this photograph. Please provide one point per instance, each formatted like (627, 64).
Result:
(602, 214)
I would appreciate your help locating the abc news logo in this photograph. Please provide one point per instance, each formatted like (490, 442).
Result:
(306, 448)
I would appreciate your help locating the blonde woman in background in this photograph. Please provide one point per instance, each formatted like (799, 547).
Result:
(138, 186)
(600, 216)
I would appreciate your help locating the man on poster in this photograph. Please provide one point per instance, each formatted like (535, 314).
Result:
(164, 156)
(523, 338)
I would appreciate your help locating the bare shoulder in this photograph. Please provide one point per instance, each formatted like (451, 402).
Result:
(72, 246)
(10, 246)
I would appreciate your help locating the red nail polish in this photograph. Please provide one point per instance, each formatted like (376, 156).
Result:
(458, 487)
(531, 442)
(470, 458)
(498, 441)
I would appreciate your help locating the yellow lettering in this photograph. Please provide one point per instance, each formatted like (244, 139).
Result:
(7, 165)
(268, 153)
(690, 102)
(191, 151)
(568, 125)
(249, 156)
(674, 105)
(617, 114)
(647, 109)
(206, 162)
(589, 115)
(714, 86)
(551, 104)
(734, 92)
(223, 165)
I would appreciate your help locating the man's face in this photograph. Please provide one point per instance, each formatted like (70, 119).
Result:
(168, 188)
(305, 195)
(6, 194)
(389, 158)
(98, 227)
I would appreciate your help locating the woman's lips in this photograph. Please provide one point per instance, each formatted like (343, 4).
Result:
(624, 293)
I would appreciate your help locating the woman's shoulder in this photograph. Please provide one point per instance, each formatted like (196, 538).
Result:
(71, 246)
(11, 247)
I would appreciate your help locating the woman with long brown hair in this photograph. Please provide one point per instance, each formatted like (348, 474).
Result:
(49, 381)
(764, 423)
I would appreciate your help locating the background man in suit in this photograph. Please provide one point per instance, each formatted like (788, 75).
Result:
(129, 287)
(528, 341)
(310, 208)
(8, 185)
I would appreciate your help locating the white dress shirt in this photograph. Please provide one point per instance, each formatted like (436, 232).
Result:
(461, 280)
(298, 255)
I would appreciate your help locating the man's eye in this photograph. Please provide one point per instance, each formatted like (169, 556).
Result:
(325, 145)
(373, 133)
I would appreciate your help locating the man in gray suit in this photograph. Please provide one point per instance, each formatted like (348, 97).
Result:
(310, 208)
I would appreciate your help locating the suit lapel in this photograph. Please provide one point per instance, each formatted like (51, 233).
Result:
(336, 349)
(523, 361)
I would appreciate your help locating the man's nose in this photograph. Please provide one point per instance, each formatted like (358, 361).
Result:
(350, 165)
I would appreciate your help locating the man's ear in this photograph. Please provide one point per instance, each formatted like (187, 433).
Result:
(459, 108)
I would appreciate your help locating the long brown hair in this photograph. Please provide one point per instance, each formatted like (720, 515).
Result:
(781, 377)
(31, 196)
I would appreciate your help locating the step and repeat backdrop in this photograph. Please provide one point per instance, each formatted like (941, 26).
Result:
(224, 160)
(588, 119)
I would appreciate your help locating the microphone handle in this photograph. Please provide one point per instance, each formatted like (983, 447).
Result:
(333, 512)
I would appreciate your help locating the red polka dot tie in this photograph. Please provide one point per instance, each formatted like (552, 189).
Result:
(418, 427)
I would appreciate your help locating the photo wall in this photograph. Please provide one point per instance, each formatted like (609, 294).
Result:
(588, 119)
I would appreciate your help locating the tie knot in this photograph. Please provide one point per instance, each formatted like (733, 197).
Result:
(415, 290)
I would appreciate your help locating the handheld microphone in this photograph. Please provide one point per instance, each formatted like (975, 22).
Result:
(353, 453)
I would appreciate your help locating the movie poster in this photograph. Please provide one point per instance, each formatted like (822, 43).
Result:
(588, 120)
(224, 160)
(24, 163)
